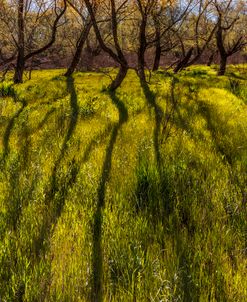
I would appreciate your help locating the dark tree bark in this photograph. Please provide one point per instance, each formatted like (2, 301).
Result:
(20, 63)
(119, 78)
(79, 48)
(183, 63)
(221, 49)
(158, 49)
(223, 62)
(145, 9)
(142, 49)
(157, 57)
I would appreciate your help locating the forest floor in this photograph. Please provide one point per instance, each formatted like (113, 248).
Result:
(138, 195)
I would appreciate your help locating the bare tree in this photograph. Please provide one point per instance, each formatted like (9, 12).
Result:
(36, 22)
(78, 7)
(117, 54)
(7, 25)
(229, 36)
(167, 20)
(196, 34)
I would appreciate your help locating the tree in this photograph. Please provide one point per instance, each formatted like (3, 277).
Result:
(79, 8)
(230, 31)
(168, 18)
(36, 21)
(7, 26)
(196, 34)
(117, 54)
(145, 9)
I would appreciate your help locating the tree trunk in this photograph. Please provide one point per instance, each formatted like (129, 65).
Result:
(157, 58)
(183, 62)
(79, 49)
(20, 67)
(20, 64)
(119, 78)
(221, 49)
(223, 61)
(157, 49)
(142, 49)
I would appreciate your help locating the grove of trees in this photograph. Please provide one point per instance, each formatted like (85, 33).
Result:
(139, 34)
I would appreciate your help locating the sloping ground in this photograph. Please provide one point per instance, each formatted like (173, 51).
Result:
(135, 196)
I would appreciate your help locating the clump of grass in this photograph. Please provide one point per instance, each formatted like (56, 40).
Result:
(7, 90)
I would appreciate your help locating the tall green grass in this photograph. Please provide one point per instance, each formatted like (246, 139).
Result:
(138, 195)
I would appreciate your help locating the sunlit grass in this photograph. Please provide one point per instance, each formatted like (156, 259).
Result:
(93, 209)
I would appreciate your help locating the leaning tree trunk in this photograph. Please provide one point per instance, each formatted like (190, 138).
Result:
(79, 48)
(183, 62)
(20, 64)
(119, 78)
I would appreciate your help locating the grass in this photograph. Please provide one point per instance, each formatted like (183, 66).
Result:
(138, 195)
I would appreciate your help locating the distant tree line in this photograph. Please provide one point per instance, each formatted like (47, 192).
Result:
(77, 31)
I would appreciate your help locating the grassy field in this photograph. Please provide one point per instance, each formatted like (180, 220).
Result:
(138, 195)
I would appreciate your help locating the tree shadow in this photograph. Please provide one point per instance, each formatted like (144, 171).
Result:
(18, 197)
(18, 166)
(58, 189)
(60, 184)
(11, 123)
(159, 114)
(206, 113)
(96, 141)
(97, 253)
(8, 131)
(214, 125)
(154, 194)
(43, 122)
(172, 102)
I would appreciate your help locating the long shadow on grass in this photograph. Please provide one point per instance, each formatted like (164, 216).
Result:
(158, 112)
(19, 166)
(59, 187)
(9, 129)
(97, 255)
(184, 252)
(60, 184)
(16, 201)
(43, 122)
(96, 141)
(154, 194)
(196, 107)
(208, 116)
